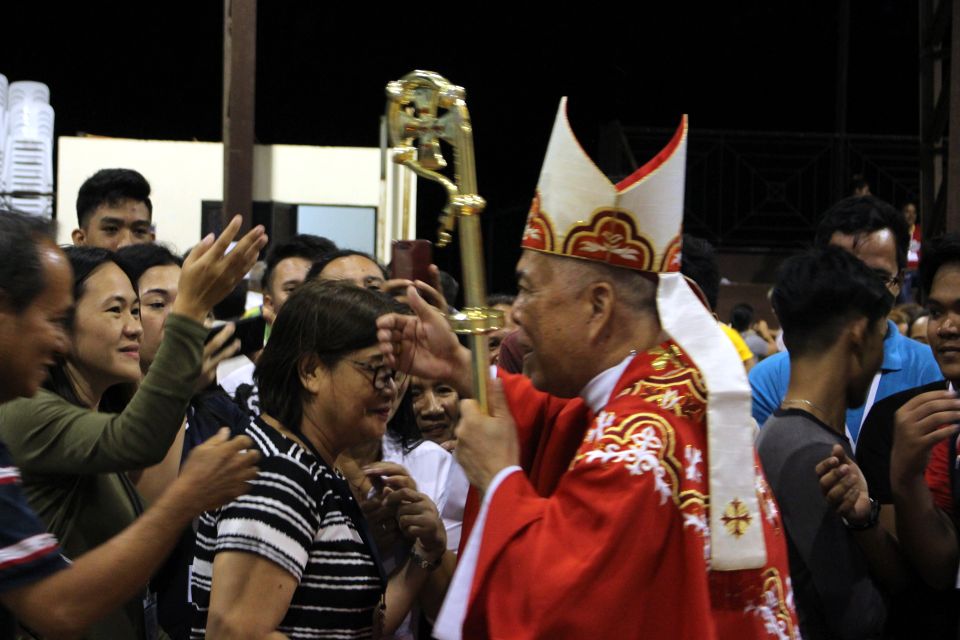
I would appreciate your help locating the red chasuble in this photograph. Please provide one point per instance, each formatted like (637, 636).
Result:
(606, 534)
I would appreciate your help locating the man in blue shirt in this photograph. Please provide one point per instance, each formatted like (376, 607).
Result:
(875, 232)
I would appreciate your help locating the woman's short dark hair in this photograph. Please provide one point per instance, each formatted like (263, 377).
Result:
(322, 318)
(85, 261)
(403, 425)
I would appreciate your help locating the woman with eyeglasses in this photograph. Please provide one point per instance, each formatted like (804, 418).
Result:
(295, 557)
(404, 459)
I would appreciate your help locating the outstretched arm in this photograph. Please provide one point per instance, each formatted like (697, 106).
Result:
(65, 603)
(424, 345)
(48, 435)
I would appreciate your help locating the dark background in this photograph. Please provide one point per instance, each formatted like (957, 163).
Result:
(155, 71)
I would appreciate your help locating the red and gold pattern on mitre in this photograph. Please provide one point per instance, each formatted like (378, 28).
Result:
(577, 212)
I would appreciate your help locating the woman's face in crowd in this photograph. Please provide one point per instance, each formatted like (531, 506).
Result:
(106, 329)
(437, 407)
(360, 399)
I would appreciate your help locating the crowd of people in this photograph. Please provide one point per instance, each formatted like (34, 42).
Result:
(641, 470)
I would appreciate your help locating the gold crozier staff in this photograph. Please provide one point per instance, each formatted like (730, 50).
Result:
(413, 107)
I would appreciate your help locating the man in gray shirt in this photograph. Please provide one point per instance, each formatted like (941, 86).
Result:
(833, 310)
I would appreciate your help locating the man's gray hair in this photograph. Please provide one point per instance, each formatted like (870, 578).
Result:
(637, 290)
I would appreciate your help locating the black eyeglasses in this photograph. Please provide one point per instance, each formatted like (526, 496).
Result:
(383, 375)
(887, 279)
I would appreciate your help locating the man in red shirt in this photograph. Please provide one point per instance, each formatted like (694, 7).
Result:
(617, 502)
(923, 473)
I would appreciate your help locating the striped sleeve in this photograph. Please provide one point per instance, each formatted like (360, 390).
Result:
(27, 552)
(276, 520)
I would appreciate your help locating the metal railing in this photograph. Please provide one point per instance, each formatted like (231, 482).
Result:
(758, 191)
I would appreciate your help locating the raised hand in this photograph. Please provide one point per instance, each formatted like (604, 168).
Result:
(370, 485)
(419, 520)
(389, 476)
(382, 522)
(919, 424)
(397, 288)
(844, 486)
(209, 273)
(424, 344)
(217, 471)
(486, 444)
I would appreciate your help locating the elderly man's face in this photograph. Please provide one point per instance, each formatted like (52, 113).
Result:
(552, 315)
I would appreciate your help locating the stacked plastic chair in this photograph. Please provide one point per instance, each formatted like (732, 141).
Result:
(4, 93)
(26, 164)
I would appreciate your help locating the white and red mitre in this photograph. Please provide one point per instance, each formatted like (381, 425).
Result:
(637, 224)
(577, 212)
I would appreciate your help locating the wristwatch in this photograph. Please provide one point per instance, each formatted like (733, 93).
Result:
(426, 565)
(872, 519)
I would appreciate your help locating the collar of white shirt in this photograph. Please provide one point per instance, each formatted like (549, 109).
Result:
(597, 392)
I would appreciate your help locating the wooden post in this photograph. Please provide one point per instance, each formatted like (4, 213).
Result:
(926, 64)
(239, 73)
(953, 140)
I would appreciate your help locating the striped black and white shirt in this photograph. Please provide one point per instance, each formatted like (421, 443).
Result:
(294, 516)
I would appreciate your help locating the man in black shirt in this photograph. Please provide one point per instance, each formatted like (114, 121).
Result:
(909, 458)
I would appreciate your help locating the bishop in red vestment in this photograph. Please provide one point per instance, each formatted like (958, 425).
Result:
(621, 496)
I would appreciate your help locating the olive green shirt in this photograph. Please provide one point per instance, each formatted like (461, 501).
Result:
(74, 461)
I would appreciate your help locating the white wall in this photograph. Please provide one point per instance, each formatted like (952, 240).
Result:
(183, 174)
